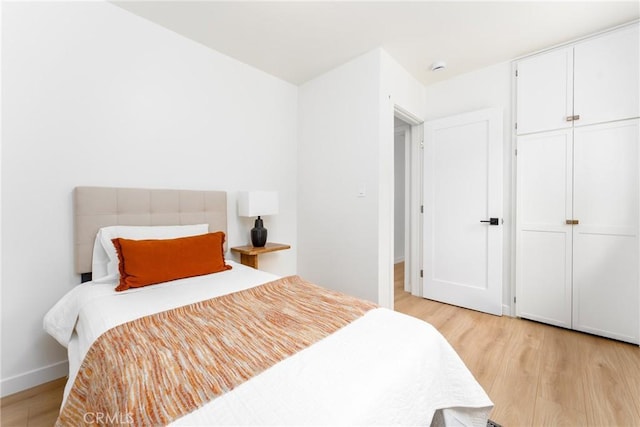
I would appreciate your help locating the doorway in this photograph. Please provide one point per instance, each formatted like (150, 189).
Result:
(448, 163)
(406, 260)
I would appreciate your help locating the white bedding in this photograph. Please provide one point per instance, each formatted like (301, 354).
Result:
(384, 368)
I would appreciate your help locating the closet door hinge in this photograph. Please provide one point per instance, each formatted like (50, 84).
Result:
(516, 152)
(421, 208)
(514, 300)
(421, 273)
(516, 73)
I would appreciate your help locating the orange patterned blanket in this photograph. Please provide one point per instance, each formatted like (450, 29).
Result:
(153, 370)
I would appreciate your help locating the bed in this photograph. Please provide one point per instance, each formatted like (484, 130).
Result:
(237, 346)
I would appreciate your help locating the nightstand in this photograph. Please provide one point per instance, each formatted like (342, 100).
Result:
(249, 254)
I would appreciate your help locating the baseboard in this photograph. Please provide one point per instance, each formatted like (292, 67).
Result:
(33, 378)
(506, 310)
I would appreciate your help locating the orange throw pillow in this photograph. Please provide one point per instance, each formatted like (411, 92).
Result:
(148, 262)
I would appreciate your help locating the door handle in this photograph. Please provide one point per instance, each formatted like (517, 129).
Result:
(491, 221)
(573, 118)
(572, 222)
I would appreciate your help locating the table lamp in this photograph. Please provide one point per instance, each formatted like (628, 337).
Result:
(258, 204)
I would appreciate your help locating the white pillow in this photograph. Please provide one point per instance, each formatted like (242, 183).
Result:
(105, 258)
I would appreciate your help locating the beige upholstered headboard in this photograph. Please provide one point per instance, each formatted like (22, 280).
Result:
(96, 207)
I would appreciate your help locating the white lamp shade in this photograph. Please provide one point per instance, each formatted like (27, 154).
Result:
(257, 203)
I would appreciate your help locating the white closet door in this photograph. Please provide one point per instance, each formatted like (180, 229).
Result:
(543, 239)
(606, 77)
(605, 257)
(544, 85)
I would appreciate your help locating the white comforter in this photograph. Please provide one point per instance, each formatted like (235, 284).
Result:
(384, 368)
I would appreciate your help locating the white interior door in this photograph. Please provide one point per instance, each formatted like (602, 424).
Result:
(463, 169)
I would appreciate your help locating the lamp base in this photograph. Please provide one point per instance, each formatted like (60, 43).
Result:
(258, 234)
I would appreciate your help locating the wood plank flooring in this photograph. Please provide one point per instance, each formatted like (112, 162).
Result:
(36, 407)
(536, 375)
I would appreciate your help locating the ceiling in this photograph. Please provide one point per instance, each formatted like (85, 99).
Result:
(299, 40)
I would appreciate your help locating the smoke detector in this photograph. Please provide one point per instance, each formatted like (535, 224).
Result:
(438, 65)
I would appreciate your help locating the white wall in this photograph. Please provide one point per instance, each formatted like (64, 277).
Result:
(488, 87)
(337, 158)
(346, 145)
(93, 95)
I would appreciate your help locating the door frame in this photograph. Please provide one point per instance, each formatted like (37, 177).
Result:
(413, 201)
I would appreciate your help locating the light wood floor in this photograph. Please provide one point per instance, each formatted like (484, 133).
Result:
(36, 407)
(536, 375)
